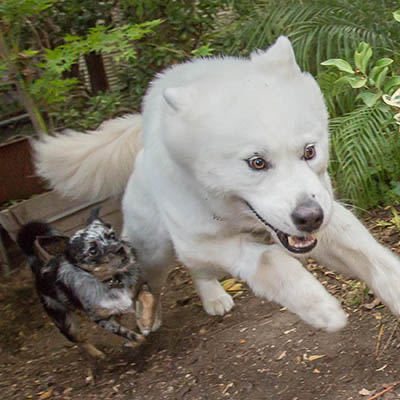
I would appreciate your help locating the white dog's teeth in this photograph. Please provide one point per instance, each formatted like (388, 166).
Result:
(291, 241)
(300, 241)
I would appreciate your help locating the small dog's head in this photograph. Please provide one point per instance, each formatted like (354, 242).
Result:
(93, 244)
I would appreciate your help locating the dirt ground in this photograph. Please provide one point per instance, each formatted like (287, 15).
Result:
(258, 351)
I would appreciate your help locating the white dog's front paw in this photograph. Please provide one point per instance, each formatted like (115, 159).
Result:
(327, 316)
(214, 298)
(218, 306)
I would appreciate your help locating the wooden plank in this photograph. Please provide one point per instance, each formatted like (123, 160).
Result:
(4, 259)
(67, 215)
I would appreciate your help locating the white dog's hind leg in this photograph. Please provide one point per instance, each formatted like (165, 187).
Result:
(281, 278)
(143, 228)
(347, 246)
(213, 297)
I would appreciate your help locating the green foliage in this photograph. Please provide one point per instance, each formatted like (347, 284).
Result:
(365, 144)
(14, 12)
(365, 156)
(44, 68)
(88, 113)
(101, 39)
(187, 30)
(319, 29)
(371, 80)
(203, 51)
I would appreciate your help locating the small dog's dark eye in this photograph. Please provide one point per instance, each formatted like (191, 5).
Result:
(309, 152)
(110, 235)
(257, 163)
(93, 250)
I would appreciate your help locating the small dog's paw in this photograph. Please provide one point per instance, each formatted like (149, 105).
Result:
(134, 343)
(218, 306)
(94, 352)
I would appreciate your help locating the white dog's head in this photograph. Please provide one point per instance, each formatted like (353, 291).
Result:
(257, 130)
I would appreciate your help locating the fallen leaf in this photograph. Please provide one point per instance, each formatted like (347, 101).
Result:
(282, 355)
(236, 287)
(46, 395)
(373, 304)
(316, 357)
(365, 392)
(202, 331)
(316, 371)
(227, 284)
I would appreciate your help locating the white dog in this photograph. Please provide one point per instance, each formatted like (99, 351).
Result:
(231, 177)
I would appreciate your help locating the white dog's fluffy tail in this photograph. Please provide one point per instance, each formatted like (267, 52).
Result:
(93, 165)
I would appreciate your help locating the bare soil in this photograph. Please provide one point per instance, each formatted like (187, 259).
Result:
(258, 351)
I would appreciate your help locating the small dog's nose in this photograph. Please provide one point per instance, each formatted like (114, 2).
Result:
(308, 216)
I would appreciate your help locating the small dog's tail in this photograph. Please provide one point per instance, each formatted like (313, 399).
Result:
(93, 165)
(30, 232)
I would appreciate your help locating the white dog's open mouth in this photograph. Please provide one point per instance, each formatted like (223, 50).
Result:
(295, 244)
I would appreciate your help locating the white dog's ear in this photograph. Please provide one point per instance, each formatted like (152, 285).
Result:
(178, 98)
(278, 58)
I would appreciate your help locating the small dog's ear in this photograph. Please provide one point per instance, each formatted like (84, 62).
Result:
(94, 214)
(47, 247)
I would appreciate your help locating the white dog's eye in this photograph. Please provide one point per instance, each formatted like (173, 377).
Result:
(257, 163)
(309, 152)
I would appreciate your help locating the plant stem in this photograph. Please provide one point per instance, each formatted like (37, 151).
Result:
(34, 114)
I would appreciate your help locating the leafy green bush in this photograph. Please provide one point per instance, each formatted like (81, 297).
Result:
(319, 29)
(41, 66)
(187, 30)
(89, 113)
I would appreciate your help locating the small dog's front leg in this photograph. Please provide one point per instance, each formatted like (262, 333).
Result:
(113, 326)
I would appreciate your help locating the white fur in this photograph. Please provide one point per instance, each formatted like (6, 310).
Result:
(187, 196)
(79, 167)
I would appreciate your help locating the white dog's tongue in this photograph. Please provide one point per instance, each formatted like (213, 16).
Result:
(301, 241)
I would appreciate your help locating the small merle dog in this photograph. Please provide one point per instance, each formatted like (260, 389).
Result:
(92, 271)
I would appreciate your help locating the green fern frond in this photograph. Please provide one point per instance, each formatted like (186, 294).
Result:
(339, 96)
(320, 29)
(364, 146)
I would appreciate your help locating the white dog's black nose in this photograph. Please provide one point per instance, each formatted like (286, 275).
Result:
(308, 216)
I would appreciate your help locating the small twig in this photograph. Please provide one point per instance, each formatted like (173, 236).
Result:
(378, 343)
(390, 337)
(375, 396)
